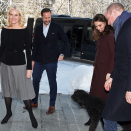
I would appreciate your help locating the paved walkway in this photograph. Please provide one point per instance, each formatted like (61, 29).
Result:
(69, 116)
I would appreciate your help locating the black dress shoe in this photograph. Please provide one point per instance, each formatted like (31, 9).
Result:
(88, 122)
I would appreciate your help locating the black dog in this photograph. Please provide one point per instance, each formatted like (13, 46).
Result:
(94, 106)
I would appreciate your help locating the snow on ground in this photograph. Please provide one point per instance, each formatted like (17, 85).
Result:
(71, 75)
(80, 77)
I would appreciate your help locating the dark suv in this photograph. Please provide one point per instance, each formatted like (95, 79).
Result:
(78, 31)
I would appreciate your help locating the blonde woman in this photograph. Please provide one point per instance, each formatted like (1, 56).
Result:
(15, 73)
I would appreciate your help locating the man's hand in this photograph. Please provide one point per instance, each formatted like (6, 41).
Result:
(29, 73)
(128, 97)
(108, 76)
(108, 84)
(33, 64)
(60, 58)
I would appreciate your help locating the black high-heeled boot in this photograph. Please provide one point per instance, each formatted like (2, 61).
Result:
(33, 121)
(6, 118)
(32, 117)
(8, 102)
(88, 122)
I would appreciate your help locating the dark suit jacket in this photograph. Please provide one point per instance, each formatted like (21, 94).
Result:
(45, 49)
(117, 108)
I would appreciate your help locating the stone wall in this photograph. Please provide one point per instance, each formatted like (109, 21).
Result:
(60, 7)
(126, 3)
(88, 8)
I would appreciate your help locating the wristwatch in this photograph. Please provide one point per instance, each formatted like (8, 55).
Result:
(62, 55)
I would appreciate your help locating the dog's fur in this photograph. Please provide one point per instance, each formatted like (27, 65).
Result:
(94, 106)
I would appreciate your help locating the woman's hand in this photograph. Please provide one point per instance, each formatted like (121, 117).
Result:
(108, 76)
(108, 84)
(29, 73)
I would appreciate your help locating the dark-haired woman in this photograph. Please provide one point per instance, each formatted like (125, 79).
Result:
(104, 59)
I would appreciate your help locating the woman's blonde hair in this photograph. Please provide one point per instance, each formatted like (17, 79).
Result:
(22, 19)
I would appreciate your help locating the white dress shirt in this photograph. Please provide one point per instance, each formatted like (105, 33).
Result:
(45, 29)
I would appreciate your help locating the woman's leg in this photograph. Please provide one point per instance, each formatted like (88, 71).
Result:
(8, 102)
(32, 117)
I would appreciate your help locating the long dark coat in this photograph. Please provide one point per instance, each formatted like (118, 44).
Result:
(104, 63)
(117, 109)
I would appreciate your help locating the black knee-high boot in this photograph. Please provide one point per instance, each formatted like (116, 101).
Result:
(8, 102)
(32, 117)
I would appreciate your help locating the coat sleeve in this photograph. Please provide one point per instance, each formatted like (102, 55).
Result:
(128, 46)
(28, 49)
(2, 46)
(111, 43)
(64, 38)
(94, 61)
(35, 44)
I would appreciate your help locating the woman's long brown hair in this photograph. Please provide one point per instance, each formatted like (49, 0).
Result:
(96, 33)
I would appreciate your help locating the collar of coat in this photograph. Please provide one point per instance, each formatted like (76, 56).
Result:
(119, 22)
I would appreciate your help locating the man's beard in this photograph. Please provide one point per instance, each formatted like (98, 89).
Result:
(47, 22)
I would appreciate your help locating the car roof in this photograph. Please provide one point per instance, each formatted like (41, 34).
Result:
(67, 17)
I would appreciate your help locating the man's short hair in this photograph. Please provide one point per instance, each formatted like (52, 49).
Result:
(115, 6)
(45, 10)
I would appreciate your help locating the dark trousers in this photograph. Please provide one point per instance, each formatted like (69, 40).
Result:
(110, 125)
(51, 70)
